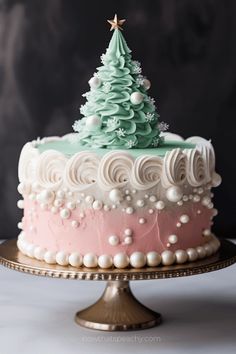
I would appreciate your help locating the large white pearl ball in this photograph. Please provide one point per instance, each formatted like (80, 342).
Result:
(153, 259)
(146, 84)
(39, 253)
(115, 195)
(167, 257)
(75, 259)
(90, 260)
(137, 259)
(50, 257)
(94, 82)
(30, 250)
(136, 98)
(121, 260)
(216, 179)
(181, 256)
(208, 249)
(105, 261)
(174, 194)
(114, 240)
(93, 123)
(201, 252)
(62, 258)
(192, 254)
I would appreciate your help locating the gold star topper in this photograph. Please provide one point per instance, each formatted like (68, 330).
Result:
(116, 23)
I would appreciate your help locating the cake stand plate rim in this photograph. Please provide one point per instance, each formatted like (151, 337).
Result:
(12, 258)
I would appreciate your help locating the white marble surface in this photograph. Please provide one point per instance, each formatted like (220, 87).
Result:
(199, 315)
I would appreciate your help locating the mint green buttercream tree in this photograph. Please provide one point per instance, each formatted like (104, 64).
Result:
(118, 113)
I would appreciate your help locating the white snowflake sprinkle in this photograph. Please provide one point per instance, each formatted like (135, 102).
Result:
(86, 95)
(130, 144)
(162, 126)
(151, 100)
(155, 142)
(103, 57)
(136, 67)
(140, 80)
(77, 125)
(120, 132)
(112, 123)
(83, 109)
(149, 117)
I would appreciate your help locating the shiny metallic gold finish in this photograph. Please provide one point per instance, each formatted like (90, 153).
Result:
(117, 309)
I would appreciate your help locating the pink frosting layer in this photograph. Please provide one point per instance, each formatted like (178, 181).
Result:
(48, 230)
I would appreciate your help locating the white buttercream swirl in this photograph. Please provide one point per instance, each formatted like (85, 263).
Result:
(50, 167)
(27, 163)
(174, 168)
(146, 172)
(81, 170)
(196, 175)
(115, 170)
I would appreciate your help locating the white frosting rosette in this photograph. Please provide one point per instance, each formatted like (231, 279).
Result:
(115, 170)
(174, 168)
(50, 167)
(27, 163)
(146, 172)
(81, 170)
(196, 175)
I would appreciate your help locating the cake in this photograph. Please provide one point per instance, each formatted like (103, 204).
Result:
(119, 191)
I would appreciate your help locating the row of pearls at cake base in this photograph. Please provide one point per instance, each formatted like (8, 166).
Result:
(120, 260)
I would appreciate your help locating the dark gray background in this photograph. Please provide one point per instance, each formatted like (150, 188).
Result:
(50, 48)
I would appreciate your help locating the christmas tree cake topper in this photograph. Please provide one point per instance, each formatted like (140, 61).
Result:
(118, 113)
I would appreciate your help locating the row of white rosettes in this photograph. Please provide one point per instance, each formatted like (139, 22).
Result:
(120, 260)
(117, 169)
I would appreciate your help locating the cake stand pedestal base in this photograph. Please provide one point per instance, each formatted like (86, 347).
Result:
(117, 310)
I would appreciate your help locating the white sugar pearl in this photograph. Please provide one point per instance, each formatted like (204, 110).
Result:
(65, 213)
(75, 259)
(62, 258)
(192, 254)
(216, 179)
(90, 260)
(115, 195)
(129, 210)
(208, 249)
(181, 256)
(136, 98)
(128, 232)
(180, 203)
(60, 194)
(206, 232)
(167, 257)
(89, 199)
(142, 221)
(97, 205)
(54, 210)
(184, 219)
(106, 207)
(138, 259)
(39, 253)
(113, 240)
(178, 224)
(20, 225)
(94, 82)
(140, 203)
(71, 205)
(121, 260)
(210, 206)
(173, 239)
(74, 224)
(160, 205)
(105, 261)
(196, 198)
(128, 240)
(93, 123)
(36, 186)
(43, 206)
(200, 190)
(151, 211)
(50, 257)
(153, 259)
(20, 204)
(46, 196)
(206, 201)
(32, 196)
(128, 198)
(58, 203)
(214, 212)
(185, 198)
(199, 212)
(201, 252)
(174, 194)
(146, 84)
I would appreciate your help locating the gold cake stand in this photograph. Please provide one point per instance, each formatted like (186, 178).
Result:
(117, 309)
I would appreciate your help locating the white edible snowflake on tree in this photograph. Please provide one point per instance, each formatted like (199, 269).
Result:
(120, 132)
(136, 67)
(140, 80)
(106, 87)
(112, 123)
(86, 95)
(103, 57)
(149, 117)
(130, 144)
(162, 126)
(77, 125)
(155, 142)
(83, 109)
(151, 101)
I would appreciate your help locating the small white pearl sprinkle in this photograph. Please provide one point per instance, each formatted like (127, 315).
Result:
(65, 213)
(129, 210)
(184, 219)
(153, 198)
(206, 232)
(128, 240)
(106, 207)
(74, 224)
(128, 232)
(178, 224)
(32, 196)
(20, 225)
(71, 205)
(43, 206)
(206, 201)
(151, 211)
(160, 205)
(210, 206)
(140, 203)
(20, 204)
(146, 196)
(200, 190)
(114, 206)
(60, 194)
(185, 198)
(199, 212)
(70, 194)
(128, 198)
(180, 202)
(58, 202)
(89, 199)
(173, 239)
(196, 198)
(127, 191)
(142, 221)
(134, 191)
(82, 215)
(97, 205)
(54, 210)
(168, 244)
(113, 240)
(82, 195)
